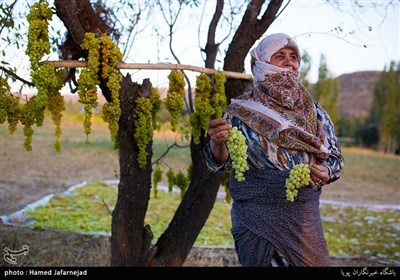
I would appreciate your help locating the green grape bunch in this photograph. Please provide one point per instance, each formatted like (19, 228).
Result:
(237, 147)
(174, 102)
(299, 176)
(157, 177)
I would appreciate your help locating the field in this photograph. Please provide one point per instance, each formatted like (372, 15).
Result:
(370, 178)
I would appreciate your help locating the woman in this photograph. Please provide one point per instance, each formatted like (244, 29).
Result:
(283, 127)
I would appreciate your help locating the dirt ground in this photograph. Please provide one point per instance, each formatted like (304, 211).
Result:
(28, 176)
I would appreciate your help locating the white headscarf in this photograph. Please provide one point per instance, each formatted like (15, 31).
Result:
(263, 52)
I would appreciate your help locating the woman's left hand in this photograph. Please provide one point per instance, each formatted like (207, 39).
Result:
(320, 176)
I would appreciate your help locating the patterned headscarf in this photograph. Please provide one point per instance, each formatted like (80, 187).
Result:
(279, 107)
(263, 52)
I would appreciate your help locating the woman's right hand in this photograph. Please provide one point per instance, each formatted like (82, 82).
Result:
(218, 130)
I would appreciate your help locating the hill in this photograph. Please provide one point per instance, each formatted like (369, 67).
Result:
(356, 92)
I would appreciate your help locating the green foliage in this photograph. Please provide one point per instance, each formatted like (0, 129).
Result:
(305, 68)
(326, 92)
(367, 133)
(6, 15)
(385, 109)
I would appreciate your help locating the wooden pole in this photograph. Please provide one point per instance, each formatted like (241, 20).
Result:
(154, 66)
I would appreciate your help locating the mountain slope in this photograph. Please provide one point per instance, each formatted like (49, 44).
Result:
(356, 92)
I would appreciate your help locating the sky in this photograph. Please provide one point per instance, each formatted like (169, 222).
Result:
(368, 40)
(350, 39)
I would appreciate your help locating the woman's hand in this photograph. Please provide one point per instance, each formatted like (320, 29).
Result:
(320, 175)
(218, 130)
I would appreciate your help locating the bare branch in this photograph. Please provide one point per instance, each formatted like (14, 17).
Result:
(156, 66)
(167, 151)
(11, 73)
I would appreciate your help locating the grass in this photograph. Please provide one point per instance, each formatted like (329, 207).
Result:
(372, 167)
(87, 210)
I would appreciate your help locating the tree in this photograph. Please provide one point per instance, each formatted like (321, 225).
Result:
(326, 91)
(305, 69)
(385, 108)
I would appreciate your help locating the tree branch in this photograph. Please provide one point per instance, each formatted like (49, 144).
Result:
(155, 66)
(11, 73)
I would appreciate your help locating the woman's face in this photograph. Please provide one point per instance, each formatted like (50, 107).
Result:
(285, 58)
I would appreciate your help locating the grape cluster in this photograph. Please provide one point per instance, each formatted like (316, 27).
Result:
(102, 58)
(203, 109)
(48, 82)
(157, 176)
(156, 105)
(10, 108)
(32, 112)
(111, 54)
(88, 81)
(299, 176)
(56, 107)
(224, 183)
(179, 179)
(174, 101)
(218, 100)
(45, 77)
(38, 38)
(171, 179)
(181, 182)
(144, 128)
(237, 148)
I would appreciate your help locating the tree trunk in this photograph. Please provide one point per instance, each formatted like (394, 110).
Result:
(211, 48)
(130, 240)
(249, 31)
(176, 242)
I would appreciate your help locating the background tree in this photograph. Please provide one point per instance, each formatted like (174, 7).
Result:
(326, 91)
(305, 68)
(385, 108)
